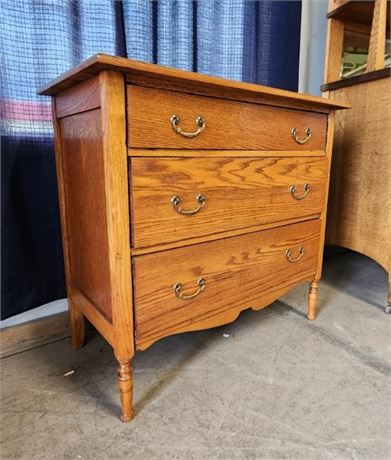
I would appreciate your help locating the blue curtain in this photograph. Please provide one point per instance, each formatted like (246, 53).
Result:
(254, 41)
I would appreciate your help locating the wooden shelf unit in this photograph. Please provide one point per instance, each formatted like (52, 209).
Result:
(359, 210)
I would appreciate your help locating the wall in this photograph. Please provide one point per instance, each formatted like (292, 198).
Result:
(312, 45)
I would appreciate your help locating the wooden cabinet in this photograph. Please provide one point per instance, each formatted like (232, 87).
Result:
(360, 190)
(184, 199)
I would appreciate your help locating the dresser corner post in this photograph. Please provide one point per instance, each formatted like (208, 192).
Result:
(77, 325)
(314, 285)
(113, 105)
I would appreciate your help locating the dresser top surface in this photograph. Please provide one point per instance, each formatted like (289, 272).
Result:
(139, 69)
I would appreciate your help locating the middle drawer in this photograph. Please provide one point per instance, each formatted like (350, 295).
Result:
(180, 198)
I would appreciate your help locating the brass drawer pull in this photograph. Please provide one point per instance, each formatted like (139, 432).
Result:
(295, 136)
(175, 200)
(175, 126)
(178, 290)
(293, 190)
(288, 255)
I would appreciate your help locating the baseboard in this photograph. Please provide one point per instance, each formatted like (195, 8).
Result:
(22, 337)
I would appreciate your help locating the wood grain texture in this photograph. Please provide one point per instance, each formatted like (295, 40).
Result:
(85, 195)
(76, 318)
(323, 216)
(357, 79)
(133, 69)
(334, 48)
(228, 315)
(211, 153)
(359, 215)
(89, 310)
(125, 384)
(239, 193)
(80, 98)
(358, 11)
(229, 125)
(218, 236)
(117, 220)
(223, 92)
(377, 41)
(312, 299)
(238, 271)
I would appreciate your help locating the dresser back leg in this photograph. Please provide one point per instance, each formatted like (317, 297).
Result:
(77, 323)
(312, 299)
(125, 383)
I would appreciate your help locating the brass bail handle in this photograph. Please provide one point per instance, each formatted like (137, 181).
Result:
(295, 136)
(290, 258)
(175, 200)
(178, 290)
(293, 190)
(200, 122)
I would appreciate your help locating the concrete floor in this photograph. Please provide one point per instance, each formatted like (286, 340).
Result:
(279, 387)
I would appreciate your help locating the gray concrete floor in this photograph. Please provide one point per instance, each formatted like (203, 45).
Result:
(279, 387)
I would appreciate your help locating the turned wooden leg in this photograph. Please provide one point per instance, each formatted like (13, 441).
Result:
(312, 298)
(125, 383)
(76, 320)
(388, 307)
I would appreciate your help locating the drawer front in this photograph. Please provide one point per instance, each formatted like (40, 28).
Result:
(238, 193)
(236, 271)
(228, 125)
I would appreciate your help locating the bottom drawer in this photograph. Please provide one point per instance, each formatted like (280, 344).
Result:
(179, 287)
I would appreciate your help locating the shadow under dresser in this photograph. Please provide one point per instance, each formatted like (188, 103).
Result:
(184, 199)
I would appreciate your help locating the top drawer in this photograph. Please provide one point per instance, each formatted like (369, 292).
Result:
(211, 123)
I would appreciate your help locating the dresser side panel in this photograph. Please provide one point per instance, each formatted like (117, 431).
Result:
(83, 171)
(359, 214)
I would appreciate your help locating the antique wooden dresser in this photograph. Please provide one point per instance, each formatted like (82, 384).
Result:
(184, 199)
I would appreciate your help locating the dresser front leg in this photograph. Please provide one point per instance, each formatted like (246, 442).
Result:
(77, 323)
(312, 299)
(125, 383)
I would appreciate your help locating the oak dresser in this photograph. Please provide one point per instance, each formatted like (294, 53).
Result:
(184, 199)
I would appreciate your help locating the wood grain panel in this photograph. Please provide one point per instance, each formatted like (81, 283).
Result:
(238, 271)
(80, 98)
(229, 124)
(239, 193)
(334, 47)
(210, 153)
(377, 41)
(85, 195)
(76, 318)
(208, 320)
(194, 82)
(220, 235)
(359, 214)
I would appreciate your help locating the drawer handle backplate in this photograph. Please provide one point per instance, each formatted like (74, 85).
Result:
(288, 255)
(175, 200)
(295, 136)
(175, 126)
(178, 290)
(293, 190)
